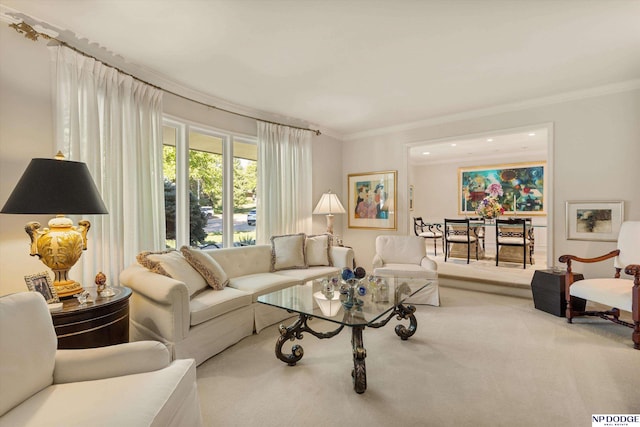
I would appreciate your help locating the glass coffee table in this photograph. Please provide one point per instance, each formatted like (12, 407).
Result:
(367, 304)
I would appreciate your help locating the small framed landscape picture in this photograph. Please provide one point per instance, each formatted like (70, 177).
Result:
(594, 220)
(41, 283)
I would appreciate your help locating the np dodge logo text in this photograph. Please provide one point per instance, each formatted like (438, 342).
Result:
(616, 418)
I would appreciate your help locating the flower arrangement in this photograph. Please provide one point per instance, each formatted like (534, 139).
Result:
(494, 190)
(490, 208)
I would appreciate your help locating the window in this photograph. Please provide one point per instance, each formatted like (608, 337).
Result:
(245, 167)
(210, 181)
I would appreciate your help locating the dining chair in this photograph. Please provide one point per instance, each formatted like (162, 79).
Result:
(530, 236)
(428, 231)
(459, 231)
(514, 232)
(478, 226)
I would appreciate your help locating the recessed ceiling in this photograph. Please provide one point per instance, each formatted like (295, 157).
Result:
(528, 142)
(356, 65)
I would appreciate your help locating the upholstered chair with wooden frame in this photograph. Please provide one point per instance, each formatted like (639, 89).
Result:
(458, 231)
(617, 293)
(428, 231)
(514, 232)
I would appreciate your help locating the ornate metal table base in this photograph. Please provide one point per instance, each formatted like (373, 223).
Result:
(359, 372)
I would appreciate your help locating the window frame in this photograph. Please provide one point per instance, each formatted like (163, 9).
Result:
(183, 128)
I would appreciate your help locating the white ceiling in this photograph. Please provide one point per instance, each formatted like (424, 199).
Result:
(355, 65)
(533, 142)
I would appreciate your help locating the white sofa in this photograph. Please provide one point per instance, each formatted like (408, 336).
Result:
(202, 324)
(406, 257)
(132, 384)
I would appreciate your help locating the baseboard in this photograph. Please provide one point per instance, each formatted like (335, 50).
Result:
(492, 287)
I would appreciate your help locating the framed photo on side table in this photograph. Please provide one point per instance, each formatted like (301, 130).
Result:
(594, 220)
(373, 200)
(41, 282)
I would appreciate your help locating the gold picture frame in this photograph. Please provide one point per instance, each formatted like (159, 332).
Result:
(373, 200)
(41, 283)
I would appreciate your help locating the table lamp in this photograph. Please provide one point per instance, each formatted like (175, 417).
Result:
(329, 204)
(57, 186)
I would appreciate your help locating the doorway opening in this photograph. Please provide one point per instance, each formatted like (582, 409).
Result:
(435, 169)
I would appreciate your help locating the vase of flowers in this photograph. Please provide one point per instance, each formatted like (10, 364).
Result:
(489, 207)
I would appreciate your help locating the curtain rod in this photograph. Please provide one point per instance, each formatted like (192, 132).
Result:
(29, 32)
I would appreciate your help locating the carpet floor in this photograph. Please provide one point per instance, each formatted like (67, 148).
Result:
(477, 360)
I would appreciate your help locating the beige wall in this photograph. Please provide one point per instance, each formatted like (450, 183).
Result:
(436, 186)
(595, 152)
(26, 131)
(596, 147)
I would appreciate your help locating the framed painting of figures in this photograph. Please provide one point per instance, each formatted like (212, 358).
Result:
(373, 200)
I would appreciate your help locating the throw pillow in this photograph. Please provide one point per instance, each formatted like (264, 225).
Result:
(172, 264)
(207, 267)
(318, 250)
(287, 252)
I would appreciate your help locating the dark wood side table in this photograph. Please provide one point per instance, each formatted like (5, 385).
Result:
(549, 292)
(103, 322)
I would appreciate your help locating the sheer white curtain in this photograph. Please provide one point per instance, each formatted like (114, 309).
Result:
(113, 123)
(284, 181)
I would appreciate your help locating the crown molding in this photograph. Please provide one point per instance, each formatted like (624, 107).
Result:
(499, 109)
(103, 54)
(12, 16)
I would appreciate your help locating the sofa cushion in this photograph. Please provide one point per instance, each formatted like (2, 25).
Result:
(243, 260)
(310, 273)
(405, 270)
(172, 264)
(288, 252)
(261, 283)
(146, 399)
(27, 348)
(208, 267)
(400, 249)
(318, 250)
(210, 304)
(612, 292)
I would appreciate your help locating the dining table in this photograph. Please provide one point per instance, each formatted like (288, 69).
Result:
(484, 231)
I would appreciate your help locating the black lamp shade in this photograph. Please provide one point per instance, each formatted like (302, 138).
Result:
(60, 187)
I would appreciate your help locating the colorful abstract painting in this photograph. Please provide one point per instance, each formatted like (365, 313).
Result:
(520, 187)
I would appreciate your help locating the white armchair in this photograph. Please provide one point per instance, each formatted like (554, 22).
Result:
(406, 256)
(132, 384)
(617, 293)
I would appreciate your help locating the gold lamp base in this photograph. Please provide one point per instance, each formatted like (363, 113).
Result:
(67, 288)
(59, 247)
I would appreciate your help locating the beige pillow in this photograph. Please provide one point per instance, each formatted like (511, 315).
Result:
(287, 252)
(208, 267)
(318, 250)
(172, 264)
